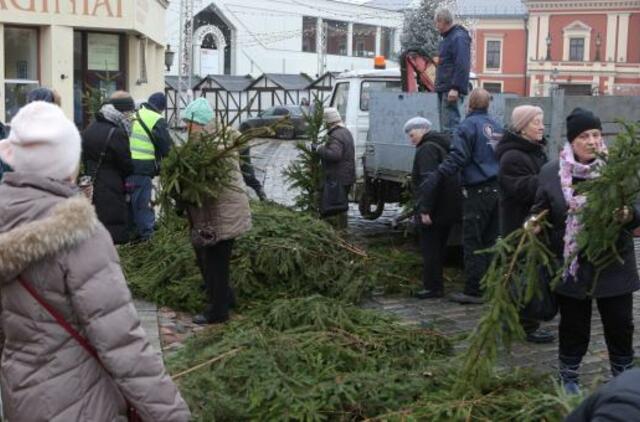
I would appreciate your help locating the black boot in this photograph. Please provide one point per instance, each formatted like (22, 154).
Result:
(568, 367)
(619, 364)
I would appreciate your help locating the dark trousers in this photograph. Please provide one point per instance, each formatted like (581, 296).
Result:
(480, 230)
(214, 262)
(433, 245)
(450, 113)
(616, 314)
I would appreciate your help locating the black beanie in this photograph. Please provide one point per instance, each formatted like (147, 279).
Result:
(580, 120)
(123, 105)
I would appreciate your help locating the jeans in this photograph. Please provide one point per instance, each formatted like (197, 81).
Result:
(433, 245)
(450, 114)
(480, 231)
(575, 325)
(142, 214)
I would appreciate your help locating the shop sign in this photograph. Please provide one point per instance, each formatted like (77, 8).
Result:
(97, 8)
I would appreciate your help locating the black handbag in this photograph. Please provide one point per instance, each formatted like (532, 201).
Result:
(334, 198)
(544, 304)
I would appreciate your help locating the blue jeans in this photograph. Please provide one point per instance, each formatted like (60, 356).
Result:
(142, 214)
(450, 114)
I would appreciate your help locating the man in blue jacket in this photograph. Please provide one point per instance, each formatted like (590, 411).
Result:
(473, 156)
(452, 73)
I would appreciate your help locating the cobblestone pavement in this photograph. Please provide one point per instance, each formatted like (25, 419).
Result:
(270, 157)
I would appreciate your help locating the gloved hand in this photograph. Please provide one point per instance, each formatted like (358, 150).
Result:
(532, 225)
(623, 215)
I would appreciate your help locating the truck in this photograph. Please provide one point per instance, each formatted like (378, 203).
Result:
(374, 104)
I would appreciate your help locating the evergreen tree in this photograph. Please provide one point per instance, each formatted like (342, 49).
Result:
(419, 30)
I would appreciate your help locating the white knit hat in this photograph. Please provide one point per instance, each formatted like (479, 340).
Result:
(42, 141)
(417, 123)
(331, 115)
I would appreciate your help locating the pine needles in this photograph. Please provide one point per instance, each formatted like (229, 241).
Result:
(618, 186)
(519, 256)
(305, 173)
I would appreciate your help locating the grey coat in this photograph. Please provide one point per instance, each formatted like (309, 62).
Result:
(54, 240)
(616, 279)
(338, 156)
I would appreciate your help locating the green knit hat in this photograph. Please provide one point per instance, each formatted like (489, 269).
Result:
(198, 111)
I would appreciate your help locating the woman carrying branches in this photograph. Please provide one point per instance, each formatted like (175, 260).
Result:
(581, 160)
(216, 222)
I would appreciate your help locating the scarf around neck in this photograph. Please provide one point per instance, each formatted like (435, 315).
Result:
(116, 117)
(570, 169)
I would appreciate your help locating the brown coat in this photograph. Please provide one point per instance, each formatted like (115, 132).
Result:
(55, 241)
(227, 217)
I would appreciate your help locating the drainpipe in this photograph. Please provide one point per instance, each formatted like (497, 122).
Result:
(526, 52)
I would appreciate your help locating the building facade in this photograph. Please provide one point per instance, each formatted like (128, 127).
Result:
(74, 45)
(240, 37)
(588, 47)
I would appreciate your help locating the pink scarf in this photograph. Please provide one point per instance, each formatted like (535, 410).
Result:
(570, 168)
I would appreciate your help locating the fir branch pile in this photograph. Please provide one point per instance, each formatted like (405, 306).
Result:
(304, 174)
(316, 359)
(286, 254)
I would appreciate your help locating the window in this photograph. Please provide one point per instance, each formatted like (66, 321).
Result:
(493, 87)
(309, 30)
(20, 67)
(364, 40)
(376, 86)
(576, 49)
(337, 37)
(340, 99)
(493, 54)
(387, 42)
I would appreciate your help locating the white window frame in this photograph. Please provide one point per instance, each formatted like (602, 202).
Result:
(500, 39)
(576, 29)
(501, 83)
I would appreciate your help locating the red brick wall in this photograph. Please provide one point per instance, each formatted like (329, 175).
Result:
(598, 23)
(634, 39)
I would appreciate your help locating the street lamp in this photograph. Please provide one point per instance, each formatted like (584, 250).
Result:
(168, 57)
(598, 44)
(554, 76)
(548, 40)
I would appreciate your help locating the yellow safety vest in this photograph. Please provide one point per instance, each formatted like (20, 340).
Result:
(140, 144)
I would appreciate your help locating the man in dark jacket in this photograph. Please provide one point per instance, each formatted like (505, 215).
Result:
(618, 400)
(473, 155)
(338, 157)
(452, 73)
(249, 174)
(521, 156)
(434, 227)
(150, 142)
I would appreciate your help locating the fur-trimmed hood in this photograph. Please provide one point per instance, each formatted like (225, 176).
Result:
(70, 222)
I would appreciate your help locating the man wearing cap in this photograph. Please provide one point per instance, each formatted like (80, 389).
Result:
(434, 225)
(338, 156)
(150, 142)
(472, 156)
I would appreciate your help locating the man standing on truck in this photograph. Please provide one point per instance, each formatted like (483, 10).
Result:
(452, 73)
(473, 154)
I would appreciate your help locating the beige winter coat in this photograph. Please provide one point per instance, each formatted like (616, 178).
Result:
(229, 216)
(53, 238)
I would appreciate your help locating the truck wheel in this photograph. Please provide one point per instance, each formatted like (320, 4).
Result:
(365, 203)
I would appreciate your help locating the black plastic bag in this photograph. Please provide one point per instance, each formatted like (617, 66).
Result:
(334, 199)
(544, 304)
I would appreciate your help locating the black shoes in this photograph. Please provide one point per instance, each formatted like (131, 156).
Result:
(201, 319)
(541, 336)
(429, 294)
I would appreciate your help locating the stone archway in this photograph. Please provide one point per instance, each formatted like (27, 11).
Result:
(198, 38)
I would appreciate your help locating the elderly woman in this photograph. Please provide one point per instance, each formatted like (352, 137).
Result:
(107, 159)
(521, 156)
(215, 225)
(431, 149)
(613, 290)
(73, 346)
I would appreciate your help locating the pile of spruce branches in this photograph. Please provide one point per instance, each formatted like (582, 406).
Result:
(318, 359)
(286, 254)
